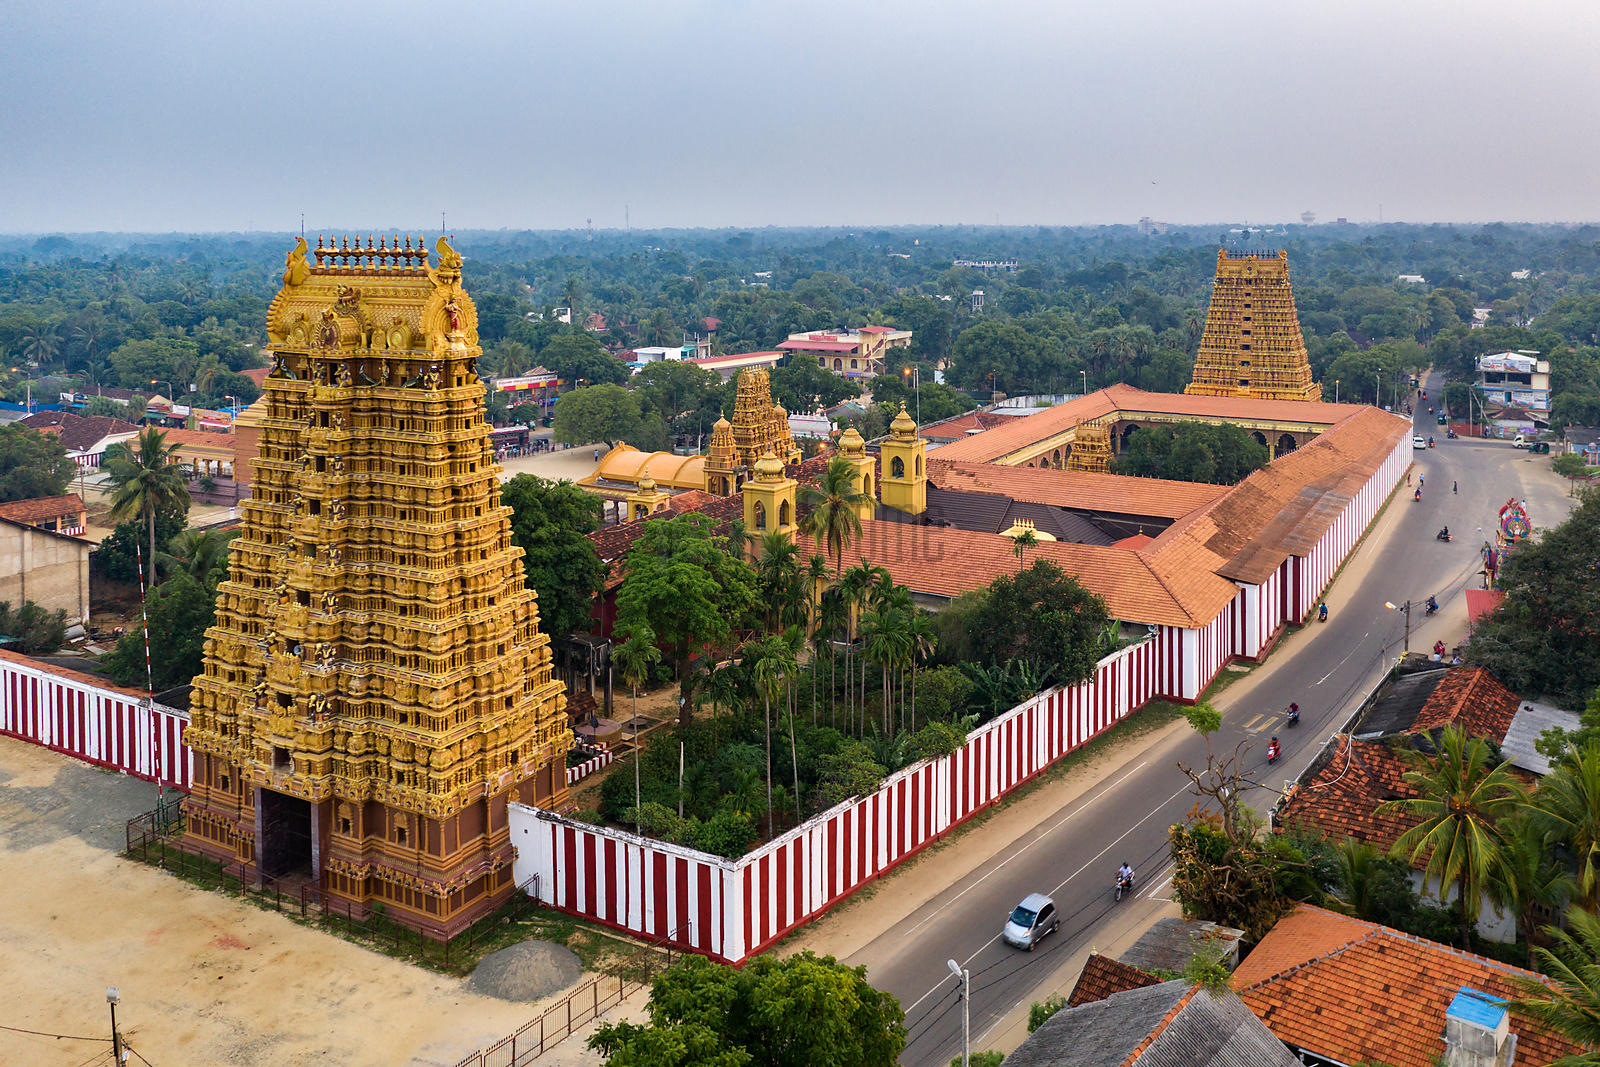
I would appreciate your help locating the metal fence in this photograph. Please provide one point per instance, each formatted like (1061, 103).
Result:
(581, 1007)
(150, 840)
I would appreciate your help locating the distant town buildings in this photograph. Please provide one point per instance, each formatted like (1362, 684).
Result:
(985, 264)
(1411, 279)
(1252, 345)
(731, 364)
(850, 353)
(1517, 379)
(1153, 227)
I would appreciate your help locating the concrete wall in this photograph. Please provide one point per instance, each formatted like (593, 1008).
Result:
(50, 570)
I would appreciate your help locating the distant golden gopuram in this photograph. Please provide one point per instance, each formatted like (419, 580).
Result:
(376, 687)
(1252, 345)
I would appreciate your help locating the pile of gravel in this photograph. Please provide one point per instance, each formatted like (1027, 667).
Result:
(526, 971)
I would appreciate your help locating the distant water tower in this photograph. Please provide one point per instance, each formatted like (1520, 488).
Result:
(1308, 217)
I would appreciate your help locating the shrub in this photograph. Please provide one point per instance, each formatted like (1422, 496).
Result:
(1039, 1011)
(37, 631)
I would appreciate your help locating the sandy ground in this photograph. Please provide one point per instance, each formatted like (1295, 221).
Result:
(569, 463)
(204, 978)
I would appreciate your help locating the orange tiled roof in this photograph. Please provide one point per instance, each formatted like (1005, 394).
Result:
(1025, 430)
(1357, 992)
(222, 439)
(1474, 700)
(1341, 799)
(1085, 490)
(42, 509)
(1103, 976)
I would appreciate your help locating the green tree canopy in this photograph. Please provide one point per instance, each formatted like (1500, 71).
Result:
(168, 360)
(146, 482)
(606, 413)
(32, 464)
(548, 522)
(578, 357)
(802, 386)
(179, 611)
(801, 1011)
(1042, 618)
(684, 583)
(1192, 452)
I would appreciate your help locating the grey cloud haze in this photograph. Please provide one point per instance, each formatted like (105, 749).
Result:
(223, 116)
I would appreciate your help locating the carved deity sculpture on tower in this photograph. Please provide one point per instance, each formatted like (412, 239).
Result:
(1252, 345)
(404, 694)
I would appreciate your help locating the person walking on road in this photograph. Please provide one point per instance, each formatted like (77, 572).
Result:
(1452, 487)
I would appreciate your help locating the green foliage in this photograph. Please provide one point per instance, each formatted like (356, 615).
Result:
(1041, 618)
(117, 557)
(1572, 965)
(1192, 452)
(146, 481)
(1039, 1012)
(549, 521)
(36, 631)
(937, 739)
(1545, 636)
(167, 360)
(801, 385)
(1241, 884)
(937, 400)
(793, 1012)
(1209, 971)
(179, 611)
(943, 692)
(578, 358)
(1203, 717)
(32, 464)
(606, 413)
(986, 1058)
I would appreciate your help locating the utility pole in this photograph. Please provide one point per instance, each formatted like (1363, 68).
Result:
(966, 1010)
(112, 997)
(1406, 607)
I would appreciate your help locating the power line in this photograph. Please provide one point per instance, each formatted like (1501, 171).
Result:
(58, 1037)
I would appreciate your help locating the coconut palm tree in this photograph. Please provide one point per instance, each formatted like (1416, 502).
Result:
(831, 519)
(41, 343)
(815, 578)
(778, 577)
(1358, 864)
(1462, 797)
(637, 656)
(199, 553)
(921, 633)
(772, 663)
(832, 617)
(1572, 964)
(1567, 808)
(1529, 880)
(1021, 543)
(144, 480)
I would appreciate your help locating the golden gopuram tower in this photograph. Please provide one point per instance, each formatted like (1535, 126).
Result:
(376, 688)
(759, 426)
(1252, 344)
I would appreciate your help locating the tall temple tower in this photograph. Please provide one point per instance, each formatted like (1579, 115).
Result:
(759, 426)
(376, 688)
(1252, 344)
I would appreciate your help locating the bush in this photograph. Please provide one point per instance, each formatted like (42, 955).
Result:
(1039, 1011)
(937, 739)
(943, 693)
(727, 833)
(36, 630)
(987, 1058)
(117, 557)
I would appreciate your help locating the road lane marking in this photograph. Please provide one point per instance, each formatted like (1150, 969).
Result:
(1354, 649)
(1153, 812)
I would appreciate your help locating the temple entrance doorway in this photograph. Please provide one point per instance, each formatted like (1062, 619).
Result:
(285, 835)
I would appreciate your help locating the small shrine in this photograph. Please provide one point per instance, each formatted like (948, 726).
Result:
(1091, 448)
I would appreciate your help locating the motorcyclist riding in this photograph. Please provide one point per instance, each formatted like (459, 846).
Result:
(1433, 605)
(1273, 750)
(1443, 535)
(1294, 714)
(1125, 875)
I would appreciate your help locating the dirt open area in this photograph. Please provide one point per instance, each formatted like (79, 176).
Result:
(204, 978)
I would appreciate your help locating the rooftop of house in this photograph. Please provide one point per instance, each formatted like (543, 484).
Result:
(1531, 720)
(1102, 976)
(1171, 1024)
(79, 433)
(959, 427)
(1127, 401)
(1080, 490)
(1356, 991)
(1171, 942)
(42, 509)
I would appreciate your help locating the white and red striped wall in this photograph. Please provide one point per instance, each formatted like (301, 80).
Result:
(602, 757)
(99, 725)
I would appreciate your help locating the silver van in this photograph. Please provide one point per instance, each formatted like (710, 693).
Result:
(1032, 919)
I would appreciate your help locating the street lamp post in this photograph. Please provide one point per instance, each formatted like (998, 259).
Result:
(1406, 607)
(1085, 374)
(966, 1010)
(233, 415)
(170, 389)
(915, 373)
(1336, 390)
(112, 997)
(1377, 390)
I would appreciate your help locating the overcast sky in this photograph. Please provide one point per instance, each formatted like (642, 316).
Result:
(232, 114)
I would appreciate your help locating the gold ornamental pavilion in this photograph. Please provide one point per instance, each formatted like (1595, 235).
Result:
(376, 687)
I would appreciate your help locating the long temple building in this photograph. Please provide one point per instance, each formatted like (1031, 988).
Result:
(376, 686)
(1252, 345)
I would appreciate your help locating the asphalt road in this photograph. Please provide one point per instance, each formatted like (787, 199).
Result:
(1072, 853)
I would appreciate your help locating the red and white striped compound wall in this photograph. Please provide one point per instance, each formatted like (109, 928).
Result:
(108, 727)
(600, 758)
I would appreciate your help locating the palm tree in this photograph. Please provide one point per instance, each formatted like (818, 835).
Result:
(921, 633)
(778, 574)
(832, 520)
(772, 664)
(1022, 542)
(199, 553)
(40, 343)
(815, 577)
(1462, 797)
(637, 656)
(145, 479)
(832, 616)
(1528, 881)
(1358, 863)
(1572, 963)
(1567, 808)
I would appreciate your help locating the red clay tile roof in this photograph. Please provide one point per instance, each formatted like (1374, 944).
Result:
(1342, 797)
(611, 543)
(257, 375)
(207, 438)
(1103, 976)
(1474, 700)
(956, 427)
(78, 433)
(1083, 490)
(1134, 542)
(820, 346)
(1481, 602)
(1021, 432)
(42, 509)
(1357, 992)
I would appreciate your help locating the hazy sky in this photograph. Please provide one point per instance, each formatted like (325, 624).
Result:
(233, 114)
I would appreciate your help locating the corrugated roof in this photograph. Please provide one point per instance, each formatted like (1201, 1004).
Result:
(1357, 992)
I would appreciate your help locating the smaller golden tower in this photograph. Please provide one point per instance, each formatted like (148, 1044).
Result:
(722, 467)
(769, 500)
(647, 499)
(905, 470)
(853, 448)
(759, 425)
(1091, 448)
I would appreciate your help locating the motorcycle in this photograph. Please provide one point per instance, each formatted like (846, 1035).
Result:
(1418, 494)
(1322, 613)
(1445, 536)
(1430, 442)
(1451, 435)
(1293, 716)
(1122, 888)
(1273, 752)
(1432, 608)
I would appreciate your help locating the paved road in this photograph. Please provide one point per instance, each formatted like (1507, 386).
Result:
(1072, 853)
